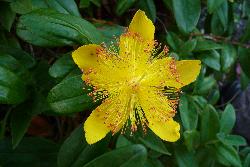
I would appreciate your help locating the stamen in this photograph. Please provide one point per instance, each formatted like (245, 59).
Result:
(129, 67)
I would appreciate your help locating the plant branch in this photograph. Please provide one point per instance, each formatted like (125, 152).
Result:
(219, 39)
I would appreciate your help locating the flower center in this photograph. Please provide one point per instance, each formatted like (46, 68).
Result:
(134, 85)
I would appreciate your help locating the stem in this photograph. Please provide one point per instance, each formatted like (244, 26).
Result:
(219, 39)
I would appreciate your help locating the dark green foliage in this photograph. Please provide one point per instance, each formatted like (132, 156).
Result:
(49, 28)
(62, 6)
(31, 151)
(63, 66)
(75, 151)
(13, 89)
(7, 15)
(128, 156)
(187, 13)
(68, 96)
(44, 101)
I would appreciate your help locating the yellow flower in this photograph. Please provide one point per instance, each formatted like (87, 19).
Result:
(137, 84)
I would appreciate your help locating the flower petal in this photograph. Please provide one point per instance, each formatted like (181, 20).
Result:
(86, 56)
(136, 45)
(159, 74)
(135, 53)
(168, 131)
(98, 64)
(171, 73)
(94, 128)
(111, 115)
(188, 70)
(142, 25)
(159, 111)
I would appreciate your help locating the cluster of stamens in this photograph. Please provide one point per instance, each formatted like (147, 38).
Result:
(118, 107)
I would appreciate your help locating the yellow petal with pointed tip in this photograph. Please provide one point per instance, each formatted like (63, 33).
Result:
(86, 56)
(97, 64)
(111, 115)
(159, 110)
(94, 128)
(168, 72)
(168, 131)
(142, 25)
(188, 71)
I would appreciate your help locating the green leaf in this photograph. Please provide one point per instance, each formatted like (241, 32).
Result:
(123, 5)
(187, 13)
(244, 80)
(246, 36)
(130, 156)
(212, 59)
(246, 8)
(48, 28)
(61, 6)
(153, 163)
(20, 121)
(192, 139)
(154, 154)
(185, 158)
(21, 6)
(76, 152)
(148, 6)
(174, 41)
(222, 12)
(12, 88)
(84, 3)
(227, 155)
(96, 2)
(35, 152)
(189, 115)
(9, 39)
(62, 66)
(168, 4)
(7, 16)
(247, 161)
(213, 5)
(244, 151)
(206, 45)
(244, 60)
(219, 23)
(110, 32)
(26, 6)
(205, 84)
(188, 46)
(200, 101)
(153, 142)
(233, 140)
(40, 75)
(205, 157)
(23, 57)
(3, 124)
(64, 6)
(209, 124)
(122, 141)
(9, 62)
(228, 57)
(228, 119)
(68, 96)
(216, 25)
(214, 96)
(13, 80)
(23, 113)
